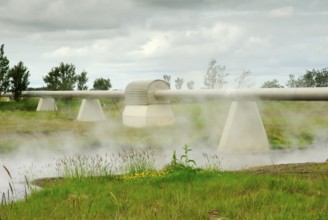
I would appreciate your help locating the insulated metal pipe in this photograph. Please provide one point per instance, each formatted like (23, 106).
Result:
(279, 94)
(75, 94)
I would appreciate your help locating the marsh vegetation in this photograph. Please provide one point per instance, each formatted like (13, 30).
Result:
(130, 184)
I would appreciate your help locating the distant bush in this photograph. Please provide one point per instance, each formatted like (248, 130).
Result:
(27, 104)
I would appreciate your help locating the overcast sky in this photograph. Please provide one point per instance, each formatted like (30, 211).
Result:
(130, 40)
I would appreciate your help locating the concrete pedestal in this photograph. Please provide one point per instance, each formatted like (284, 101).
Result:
(148, 115)
(244, 130)
(142, 108)
(46, 104)
(91, 110)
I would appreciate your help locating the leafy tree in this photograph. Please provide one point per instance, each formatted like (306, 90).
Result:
(82, 80)
(244, 80)
(4, 69)
(309, 79)
(167, 78)
(191, 84)
(42, 88)
(316, 78)
(102, 84)
(178, 83)
(19, 80)
(61, 78)
(215, 76)
(312, 78)
(293, 82)
(271, 84)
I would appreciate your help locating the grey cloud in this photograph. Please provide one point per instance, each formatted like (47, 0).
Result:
(66, 14)
(47, 15)
(175, 36)
(239, 5)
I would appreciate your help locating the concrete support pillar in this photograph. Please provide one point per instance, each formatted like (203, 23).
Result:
(46, 104)
(143, 116)
(142, 109)
(244, 130)
(91, 110)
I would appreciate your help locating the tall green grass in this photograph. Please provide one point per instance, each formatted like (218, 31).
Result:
(26, 104)
(180, 190)
(293, 124)
(128, 161)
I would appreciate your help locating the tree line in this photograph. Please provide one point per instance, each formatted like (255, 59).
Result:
(62, 77)
(312, 78)
(216, 77)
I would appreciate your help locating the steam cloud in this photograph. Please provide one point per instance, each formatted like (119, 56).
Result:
(38, 153)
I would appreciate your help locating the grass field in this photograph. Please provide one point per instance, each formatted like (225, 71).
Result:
(181, 190)
(180, 193)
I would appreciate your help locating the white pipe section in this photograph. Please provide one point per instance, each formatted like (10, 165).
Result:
(282, 94)
(75, 94)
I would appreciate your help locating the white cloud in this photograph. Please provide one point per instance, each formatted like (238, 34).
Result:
(129, 38)
(66, 52)
(224, 36)
(284, 12)
(155, 47)
(257, 41)
(219, 36)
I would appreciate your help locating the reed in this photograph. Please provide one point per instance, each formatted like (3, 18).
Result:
(83, 165)
(136, 161)
(10, 197)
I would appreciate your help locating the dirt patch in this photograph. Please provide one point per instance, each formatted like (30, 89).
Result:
(294, 168)
(42, 182)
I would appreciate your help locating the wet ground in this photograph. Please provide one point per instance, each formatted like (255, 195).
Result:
(295, 168)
